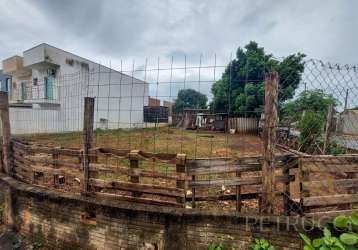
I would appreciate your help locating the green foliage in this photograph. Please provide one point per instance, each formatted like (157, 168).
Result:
(241, 86)
(345, 239)
(189, 98)
(262, 244)
(335, 149)
(350, 226)
(213, 246)
(310, 126)
(311, 100)
(309, 110)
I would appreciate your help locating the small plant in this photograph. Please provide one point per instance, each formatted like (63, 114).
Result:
(327, 242)
(335, 149)
(345, 239)
(262, 244)
(349, 227)
(213, 246)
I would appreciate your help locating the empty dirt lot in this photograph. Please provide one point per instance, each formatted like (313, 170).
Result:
(164, 140)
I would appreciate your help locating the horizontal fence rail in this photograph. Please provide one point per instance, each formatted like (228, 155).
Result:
(327, 184)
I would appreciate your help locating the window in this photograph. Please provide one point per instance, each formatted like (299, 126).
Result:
(35, 81)
(69, 61)
(49, 87)
(24, 90)
(8, 85)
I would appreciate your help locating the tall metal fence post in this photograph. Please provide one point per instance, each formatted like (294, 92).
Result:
(269, 142)
(6, 132)
(87, 139)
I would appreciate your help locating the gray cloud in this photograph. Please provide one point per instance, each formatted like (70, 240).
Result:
(140, 28)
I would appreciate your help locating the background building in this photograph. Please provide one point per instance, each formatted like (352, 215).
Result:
(5, 81)
(49, 85)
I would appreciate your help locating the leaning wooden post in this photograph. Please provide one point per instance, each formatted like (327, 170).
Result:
(269, 142)
(87, 139)
(181, 182)
(6, 132)
(328, 128)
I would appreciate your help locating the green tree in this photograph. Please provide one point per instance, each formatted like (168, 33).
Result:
(189, 98)
(315, 101)
(241, 90)
(309, 110)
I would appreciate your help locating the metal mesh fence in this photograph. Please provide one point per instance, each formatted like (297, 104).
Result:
(52, 107)
(211, 112)
(322, 117)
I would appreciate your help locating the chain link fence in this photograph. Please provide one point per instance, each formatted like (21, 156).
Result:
(322, 117)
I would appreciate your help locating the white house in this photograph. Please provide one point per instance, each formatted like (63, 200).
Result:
(48, 89)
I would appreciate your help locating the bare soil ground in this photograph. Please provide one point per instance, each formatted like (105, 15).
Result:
(194, 143)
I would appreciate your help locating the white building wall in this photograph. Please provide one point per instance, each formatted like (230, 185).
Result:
(119, 98)
(35, 120)
(349, 122)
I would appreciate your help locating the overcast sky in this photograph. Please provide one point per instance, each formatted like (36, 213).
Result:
(110, 31)
(119, 29)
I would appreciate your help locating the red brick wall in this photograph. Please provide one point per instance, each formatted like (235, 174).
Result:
(152, 102)
(64, 221)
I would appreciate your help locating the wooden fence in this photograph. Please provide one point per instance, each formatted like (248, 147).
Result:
(63, 169)
(51, 167)
(329, 184)
(150, 178)
(138, 176)
(234, 179)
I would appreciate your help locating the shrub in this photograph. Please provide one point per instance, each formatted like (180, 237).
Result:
(262, 244)
(311, 127)
(346, 237)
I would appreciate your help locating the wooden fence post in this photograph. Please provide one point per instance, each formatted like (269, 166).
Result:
(6, 132)
(6, 158)
(9, 217)
(87, 139)
(328, 128)
(238, 194)
(180, 169)
(269, 142)
(134, 164)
